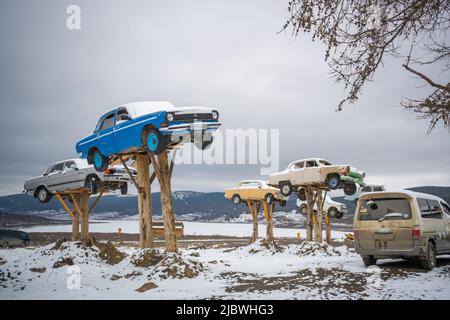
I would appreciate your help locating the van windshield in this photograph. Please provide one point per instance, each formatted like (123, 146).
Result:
(375, 209)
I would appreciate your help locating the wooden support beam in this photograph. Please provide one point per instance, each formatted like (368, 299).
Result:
(84, 208)
(162, 170)
(76, 203)
(253, 207)
(268, 213)
(309, 214)
(64, 204)
(318, 224)
(95, 202)
(172, 162)
(138, 187)
(144, 201)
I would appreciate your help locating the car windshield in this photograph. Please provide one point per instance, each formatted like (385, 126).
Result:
(375, 209)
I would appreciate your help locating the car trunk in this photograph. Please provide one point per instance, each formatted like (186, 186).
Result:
(385, 224)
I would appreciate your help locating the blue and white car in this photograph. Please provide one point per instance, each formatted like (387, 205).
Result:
(151, 126)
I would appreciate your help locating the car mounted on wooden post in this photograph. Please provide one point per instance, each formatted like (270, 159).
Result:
(256, 190)
(75, 174)
(317, 173)
(148, 126)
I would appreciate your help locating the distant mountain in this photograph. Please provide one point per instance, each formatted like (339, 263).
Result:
(198, 205)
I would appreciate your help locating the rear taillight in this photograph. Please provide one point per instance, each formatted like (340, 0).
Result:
(416, 232)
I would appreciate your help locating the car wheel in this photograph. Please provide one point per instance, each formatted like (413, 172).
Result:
(124, 189)
(339, 214)
(99, 161)
(301, 194)
(91, 184)
(429, 262)
(268, 198)
(350, 188)
(204, 143)
(332, 212)
(334, 181)
(304, 209)
(286, 189)
(154, 141)
(369, 261)
(43, 195)
(236, 199)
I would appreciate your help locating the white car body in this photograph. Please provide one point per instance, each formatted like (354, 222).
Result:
(329, 203)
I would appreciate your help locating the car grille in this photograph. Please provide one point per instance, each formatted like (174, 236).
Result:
(191, 117)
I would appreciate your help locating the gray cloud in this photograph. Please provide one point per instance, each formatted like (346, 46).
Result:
(55, 83)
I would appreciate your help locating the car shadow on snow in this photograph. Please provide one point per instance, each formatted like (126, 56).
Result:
(400, 266)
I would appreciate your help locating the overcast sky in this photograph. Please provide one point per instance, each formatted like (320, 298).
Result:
(55, 83)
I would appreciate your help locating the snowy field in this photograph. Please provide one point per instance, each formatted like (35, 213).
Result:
(256, 271)
(190, 228)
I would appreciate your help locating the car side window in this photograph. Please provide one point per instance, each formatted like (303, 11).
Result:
(299, 165)
(429, 209)
(68, 164)
(122, 115)
(57, 168)
(365, 189)
(377, 189)
(446, 209)
(436, 210)
(108, 123)
(310, 164)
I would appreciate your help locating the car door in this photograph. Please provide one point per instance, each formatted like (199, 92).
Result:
(436, 215)
(105, 134)
(123, 134)
(70, 176)
(55, 180)
(295, 173)
(447, 222)
(311, 172)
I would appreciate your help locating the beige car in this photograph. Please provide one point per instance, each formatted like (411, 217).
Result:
(255, 190)
(318, 173)
(402, 224)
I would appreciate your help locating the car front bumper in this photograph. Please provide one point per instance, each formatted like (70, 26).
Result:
(115, 178)
(190, 128)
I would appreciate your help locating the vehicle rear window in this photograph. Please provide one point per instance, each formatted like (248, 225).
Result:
(429, 209)
(375, 209)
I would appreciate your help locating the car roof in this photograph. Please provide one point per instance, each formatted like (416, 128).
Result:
(249, 181)
(81, 163)
(309, 159)
(409, 193)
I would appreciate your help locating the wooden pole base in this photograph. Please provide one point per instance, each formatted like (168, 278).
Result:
(254, 207)
(144, 201)
(268, 213)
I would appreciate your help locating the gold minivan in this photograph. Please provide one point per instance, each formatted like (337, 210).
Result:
(401, 224)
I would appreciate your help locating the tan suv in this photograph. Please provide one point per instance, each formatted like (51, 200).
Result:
(402, 224)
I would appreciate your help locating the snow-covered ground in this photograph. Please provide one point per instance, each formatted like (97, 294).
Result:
(190, 228)
(298, 271)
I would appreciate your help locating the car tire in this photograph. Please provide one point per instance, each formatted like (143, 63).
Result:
(339, 214)
(236, 199)
(350, 188)
(268, 198)
(154, 141)
(124, 189)
(369, 261)
(301, 194)
(99, 161)
(332, 212)
(43, 195)
(91, 184)
(304, 209)
(429, 262)
(333, 181)
(286, 189)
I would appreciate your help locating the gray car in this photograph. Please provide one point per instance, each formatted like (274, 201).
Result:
(13, 238)
(75, 174)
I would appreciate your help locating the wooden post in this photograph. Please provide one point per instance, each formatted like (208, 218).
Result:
(166, 202)
(75, 227)
(268, 212)
(328, 227)
(318, 224)
(84, 208)
(144, 201)
(310, 208)
(254, 207)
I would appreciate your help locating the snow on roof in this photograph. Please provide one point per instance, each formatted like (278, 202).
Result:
(137, 109)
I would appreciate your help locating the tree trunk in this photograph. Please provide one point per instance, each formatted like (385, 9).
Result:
(144, 201)
(166, 203)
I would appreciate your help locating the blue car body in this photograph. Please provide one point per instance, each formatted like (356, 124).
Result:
(112, 137)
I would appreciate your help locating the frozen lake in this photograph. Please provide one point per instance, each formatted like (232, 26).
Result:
(190, 228)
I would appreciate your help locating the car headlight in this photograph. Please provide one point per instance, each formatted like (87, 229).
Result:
(215, 115)
(169, 117)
